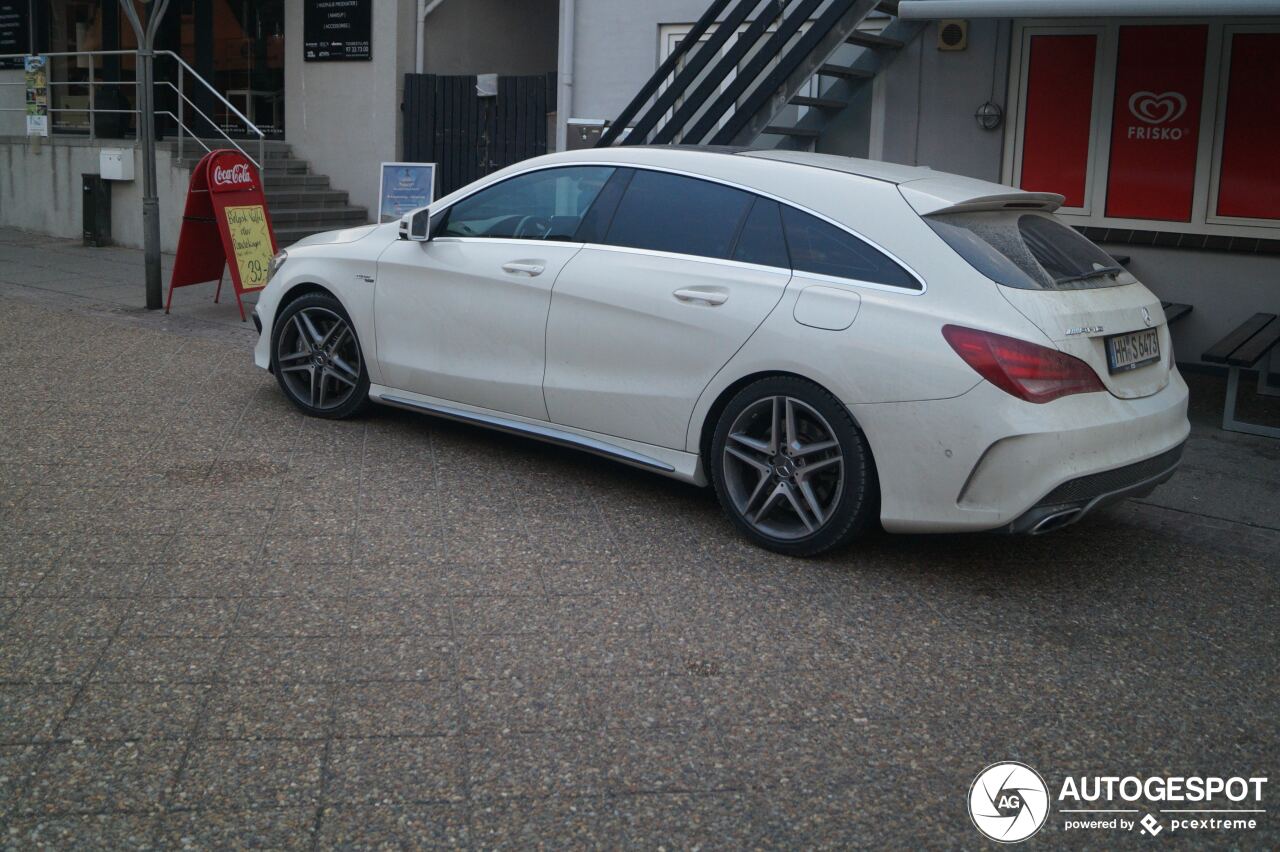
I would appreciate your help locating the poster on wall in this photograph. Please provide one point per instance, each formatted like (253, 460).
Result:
(1156, 125)
(14, 32)
(337, 30)
(404, 187)
(1055, 148)
(37, 95)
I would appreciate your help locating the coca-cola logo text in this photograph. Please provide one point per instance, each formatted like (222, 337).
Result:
(237, 175)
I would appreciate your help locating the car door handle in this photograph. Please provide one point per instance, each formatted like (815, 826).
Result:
(696, 294)
(524, 267)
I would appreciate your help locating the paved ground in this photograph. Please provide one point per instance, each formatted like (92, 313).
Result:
(224, 625)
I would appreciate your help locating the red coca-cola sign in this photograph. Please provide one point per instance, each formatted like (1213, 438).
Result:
(231, 171)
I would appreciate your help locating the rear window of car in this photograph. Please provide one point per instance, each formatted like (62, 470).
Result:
(1029, 251)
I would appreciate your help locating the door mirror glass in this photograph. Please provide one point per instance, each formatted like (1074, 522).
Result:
(416, 226)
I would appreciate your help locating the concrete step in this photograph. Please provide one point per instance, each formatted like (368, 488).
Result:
(271, 166)
(192, 149)
(283, 199)
(276, 181)
(335, 217)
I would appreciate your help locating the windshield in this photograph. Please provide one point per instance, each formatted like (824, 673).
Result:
(1030, 251)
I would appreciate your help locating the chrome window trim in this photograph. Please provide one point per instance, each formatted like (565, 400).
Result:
(818, 277)
(516, 240)
(889, 288)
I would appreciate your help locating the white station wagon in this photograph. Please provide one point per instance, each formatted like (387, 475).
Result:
(829, 342)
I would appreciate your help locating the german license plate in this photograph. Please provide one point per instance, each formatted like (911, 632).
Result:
(1133, 350)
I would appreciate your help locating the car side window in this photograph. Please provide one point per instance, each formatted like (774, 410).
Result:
(760, 241)
(822, 248)
(665, 212)
(542, 205)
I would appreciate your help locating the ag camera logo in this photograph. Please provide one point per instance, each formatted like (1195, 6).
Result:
(1008, 802)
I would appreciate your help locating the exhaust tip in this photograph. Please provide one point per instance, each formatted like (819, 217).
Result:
(1056, 521)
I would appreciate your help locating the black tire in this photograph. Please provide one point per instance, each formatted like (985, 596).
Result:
(344, 386)
(842, 497)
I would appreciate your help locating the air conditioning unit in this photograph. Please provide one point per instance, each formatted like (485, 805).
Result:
(953, 34)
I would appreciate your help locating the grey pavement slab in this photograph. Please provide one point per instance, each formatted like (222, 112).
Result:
(223, 625)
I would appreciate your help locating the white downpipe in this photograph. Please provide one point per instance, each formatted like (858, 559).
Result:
(425, 8)
(564, 77)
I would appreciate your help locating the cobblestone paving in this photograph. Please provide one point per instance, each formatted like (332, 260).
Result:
(222, 625)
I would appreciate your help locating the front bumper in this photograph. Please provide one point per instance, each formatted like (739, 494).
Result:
(987, 461)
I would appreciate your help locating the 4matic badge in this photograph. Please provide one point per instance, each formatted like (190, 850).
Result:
(1008, 802)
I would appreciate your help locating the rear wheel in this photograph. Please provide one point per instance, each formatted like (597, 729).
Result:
(316, 358)
(791, 468)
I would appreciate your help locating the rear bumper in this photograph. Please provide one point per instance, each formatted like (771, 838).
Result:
(1076, 498)
(988, 461)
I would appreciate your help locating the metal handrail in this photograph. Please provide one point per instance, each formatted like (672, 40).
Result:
(262, 137)
(184, 69)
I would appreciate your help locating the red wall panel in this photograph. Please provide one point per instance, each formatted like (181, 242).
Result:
(1249, 185)
(1156, 122)
(1059, 109)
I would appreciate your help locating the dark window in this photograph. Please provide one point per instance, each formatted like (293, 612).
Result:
(671, 213)
(819, 247)
(596, 223)
(542, 205)
(1030, 251)
(761, 238)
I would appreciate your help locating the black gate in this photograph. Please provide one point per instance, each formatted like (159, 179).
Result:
(468, 135)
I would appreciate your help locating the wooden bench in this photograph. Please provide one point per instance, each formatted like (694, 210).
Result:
(1174, 311)
(1251, 342)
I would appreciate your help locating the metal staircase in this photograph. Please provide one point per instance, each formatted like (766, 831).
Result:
(771, 73)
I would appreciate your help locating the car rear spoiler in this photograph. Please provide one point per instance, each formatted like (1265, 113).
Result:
(930, 197)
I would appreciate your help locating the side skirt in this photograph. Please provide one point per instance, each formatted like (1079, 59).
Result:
(549, 434)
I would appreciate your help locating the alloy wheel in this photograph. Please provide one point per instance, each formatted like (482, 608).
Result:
(319, 358)
(783, 467)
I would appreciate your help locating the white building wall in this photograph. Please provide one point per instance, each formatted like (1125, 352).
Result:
(344, 117)
(41, 190)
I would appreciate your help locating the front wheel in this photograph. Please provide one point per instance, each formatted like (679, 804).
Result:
(791, 468)
(316, 358)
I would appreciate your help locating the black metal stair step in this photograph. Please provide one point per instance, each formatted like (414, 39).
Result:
(874, 41)
(845, 71)
(820, 103)
(806, 132)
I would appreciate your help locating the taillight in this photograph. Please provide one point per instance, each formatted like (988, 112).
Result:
(1026, 370)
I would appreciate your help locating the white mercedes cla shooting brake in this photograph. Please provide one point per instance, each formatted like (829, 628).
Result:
(828, 342)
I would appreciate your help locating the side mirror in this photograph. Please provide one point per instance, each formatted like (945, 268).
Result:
(416, 226)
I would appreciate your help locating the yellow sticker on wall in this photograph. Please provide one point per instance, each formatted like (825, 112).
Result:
(251, 241)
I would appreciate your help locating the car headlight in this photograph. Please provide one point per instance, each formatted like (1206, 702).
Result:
(276, 263)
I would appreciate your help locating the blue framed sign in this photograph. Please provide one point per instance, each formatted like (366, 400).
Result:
(404, 187)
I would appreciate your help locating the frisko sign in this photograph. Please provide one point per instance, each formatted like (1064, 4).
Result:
(1157, 115)
(1156, 125)
(225, 225)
